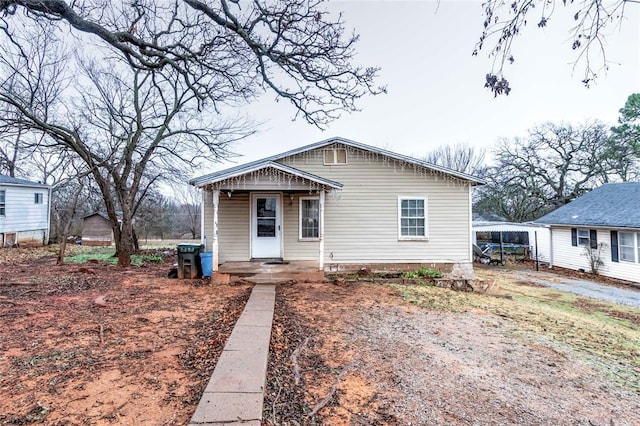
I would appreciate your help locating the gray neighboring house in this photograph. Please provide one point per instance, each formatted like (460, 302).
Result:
(24, 212)
(338, 204)
(606, 219)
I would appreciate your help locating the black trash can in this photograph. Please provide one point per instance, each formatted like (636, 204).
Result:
(189, 265)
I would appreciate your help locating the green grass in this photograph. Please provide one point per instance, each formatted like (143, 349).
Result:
(108, 255)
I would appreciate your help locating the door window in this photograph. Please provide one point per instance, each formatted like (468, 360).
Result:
(266, 217)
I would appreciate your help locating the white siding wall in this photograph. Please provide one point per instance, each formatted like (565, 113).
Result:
(207, 232)
(567, 256)
(361, 221)
(23, 216)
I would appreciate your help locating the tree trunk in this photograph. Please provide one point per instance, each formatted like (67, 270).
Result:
(124, 244)
(67, 226)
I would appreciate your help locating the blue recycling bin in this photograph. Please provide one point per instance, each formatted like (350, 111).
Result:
(206, 258)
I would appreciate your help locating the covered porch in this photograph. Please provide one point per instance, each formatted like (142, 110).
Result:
(264, 218)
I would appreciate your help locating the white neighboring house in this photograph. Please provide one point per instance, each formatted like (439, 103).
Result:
(24, 212)
(604, 222)
(534, 231)
(339, 204)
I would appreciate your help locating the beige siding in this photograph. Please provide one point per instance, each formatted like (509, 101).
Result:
(567, 256)
(361, 221)
(233, 227)
(294, 248)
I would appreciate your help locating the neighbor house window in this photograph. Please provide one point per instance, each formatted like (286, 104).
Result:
(412, 215)
(38, 198)
(2, 202)
(627, 246)
(583, 237)
(309, 218)
(335, 156)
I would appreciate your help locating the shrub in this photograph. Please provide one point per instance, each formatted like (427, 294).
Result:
(428, 273)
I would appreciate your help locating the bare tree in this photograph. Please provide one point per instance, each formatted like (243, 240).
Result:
(70, 199)
(189, 208)
(505, 21)
(147, 110)
(460, 157)
(555, 164)
(223, 49)
(128, 126)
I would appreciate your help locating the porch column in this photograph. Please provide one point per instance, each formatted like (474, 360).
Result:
(321, 231)
(214, 242)
(203, 200)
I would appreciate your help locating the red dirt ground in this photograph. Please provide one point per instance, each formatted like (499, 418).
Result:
(349, 354)
(144, 358)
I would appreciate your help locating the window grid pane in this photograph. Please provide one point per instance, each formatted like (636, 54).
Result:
(310, 218)
(412, 218)
(583, 237)
(627, 246)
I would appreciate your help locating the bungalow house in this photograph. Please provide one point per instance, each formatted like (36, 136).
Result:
(24, 212)
(339, 205)
(603, 225)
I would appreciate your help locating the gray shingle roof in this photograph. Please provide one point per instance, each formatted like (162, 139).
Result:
(8, 180)
(614, 205)
(203, 180)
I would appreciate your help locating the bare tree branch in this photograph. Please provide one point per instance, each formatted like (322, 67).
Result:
(505, 21)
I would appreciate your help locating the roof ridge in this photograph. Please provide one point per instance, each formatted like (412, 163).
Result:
(201, 180)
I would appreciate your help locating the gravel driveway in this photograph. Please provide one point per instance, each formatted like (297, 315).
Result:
(582, 287)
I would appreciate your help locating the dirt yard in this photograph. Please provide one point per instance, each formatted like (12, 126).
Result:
(376, 354)
(93, 344)
(142, 358)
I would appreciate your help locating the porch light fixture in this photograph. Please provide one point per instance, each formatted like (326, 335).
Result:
(229, 194)
(291, 196)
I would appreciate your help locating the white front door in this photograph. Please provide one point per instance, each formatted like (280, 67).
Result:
(266, 220)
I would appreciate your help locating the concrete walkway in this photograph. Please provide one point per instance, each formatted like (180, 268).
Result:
(235, 392)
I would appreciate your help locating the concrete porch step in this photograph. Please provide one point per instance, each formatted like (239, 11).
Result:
(283, 277)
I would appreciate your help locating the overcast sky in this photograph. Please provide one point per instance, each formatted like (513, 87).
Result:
(435, 87)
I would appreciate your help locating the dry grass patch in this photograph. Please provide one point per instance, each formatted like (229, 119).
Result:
(608, 335)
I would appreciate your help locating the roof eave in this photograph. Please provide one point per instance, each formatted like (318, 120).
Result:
(252, 167)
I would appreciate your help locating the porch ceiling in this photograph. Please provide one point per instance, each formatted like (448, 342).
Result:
(229, 179)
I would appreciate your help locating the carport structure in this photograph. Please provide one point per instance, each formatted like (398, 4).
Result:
(537, 237)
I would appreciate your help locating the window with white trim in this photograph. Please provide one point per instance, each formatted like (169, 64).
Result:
(3, 195)
(412, 218)
(38, 198)
(627, 246)
(583, 237)
(309, 218)
(333, 156)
